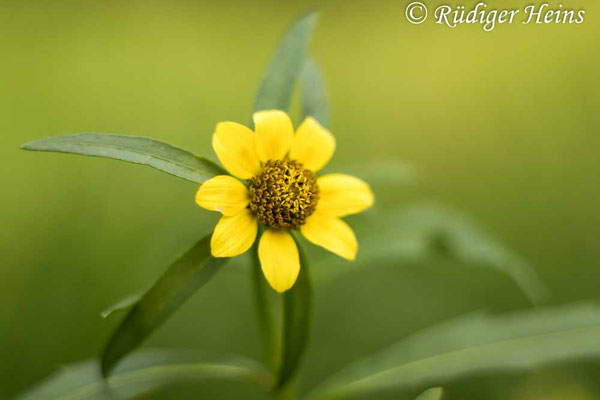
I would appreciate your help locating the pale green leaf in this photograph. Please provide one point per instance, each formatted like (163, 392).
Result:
(275, 91)
(172, 289)
(426, 230)
(469, 345)
(134, 149)
(434, 230)
(314, 94)
(431, 394)
(142, 373)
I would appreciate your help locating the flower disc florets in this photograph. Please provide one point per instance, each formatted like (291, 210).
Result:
(283, 194)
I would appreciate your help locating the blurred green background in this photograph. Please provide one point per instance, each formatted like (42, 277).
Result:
(501, 125)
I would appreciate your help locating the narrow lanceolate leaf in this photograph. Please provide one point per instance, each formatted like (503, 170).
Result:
(431, 394)
(425, 231)
(144, 373)
(275, 91)
(134, 149)
(469, 345)
(314, 94)
(179, 282)
(297, 304)
(447, 232)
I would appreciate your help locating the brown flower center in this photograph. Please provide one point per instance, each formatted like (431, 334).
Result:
(283, 194)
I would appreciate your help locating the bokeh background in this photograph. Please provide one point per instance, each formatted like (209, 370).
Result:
(503, 126)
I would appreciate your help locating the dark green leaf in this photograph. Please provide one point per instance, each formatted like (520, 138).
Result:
(297, 304)
(465, 346)
(275, 91)
(431, 394)
(314, 95)
(143, 373)
(138, 150)
(179, 282)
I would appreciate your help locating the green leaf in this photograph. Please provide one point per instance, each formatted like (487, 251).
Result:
(469, 345)
(297, 304)
(314, 97)
(134, 149)
(425, 231)
(174, 287)
(143, 373)
(431, 394)
(438, 230)
(275, 91)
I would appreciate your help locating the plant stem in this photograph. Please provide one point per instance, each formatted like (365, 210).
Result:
(286, 392)
(265, 314)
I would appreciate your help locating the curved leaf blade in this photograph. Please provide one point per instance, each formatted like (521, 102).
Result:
(468, 345)
(134, 149)
(425, 231)
(447, 232)
(314, 94)
(173, 288)
(297, 306)
(143, 373)
(431, 394)
(277, 86)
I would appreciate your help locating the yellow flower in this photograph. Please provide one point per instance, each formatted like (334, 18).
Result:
(281, 192)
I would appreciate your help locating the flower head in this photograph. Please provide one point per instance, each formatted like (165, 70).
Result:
(281, 192)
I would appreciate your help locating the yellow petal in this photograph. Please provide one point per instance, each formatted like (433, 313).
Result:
(223, 193)
(313, 145)
(234, 235)
(274, 134)
(279, 259)
(341, 195)
(235, 147)
(331, 233)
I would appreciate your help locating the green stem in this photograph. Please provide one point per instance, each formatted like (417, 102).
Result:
(296, 315)
(287, 392)
(284, 339)
(265, 314)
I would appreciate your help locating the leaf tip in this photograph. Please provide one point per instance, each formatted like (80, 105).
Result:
(311, 16)
(26, 146)
(34, 145)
